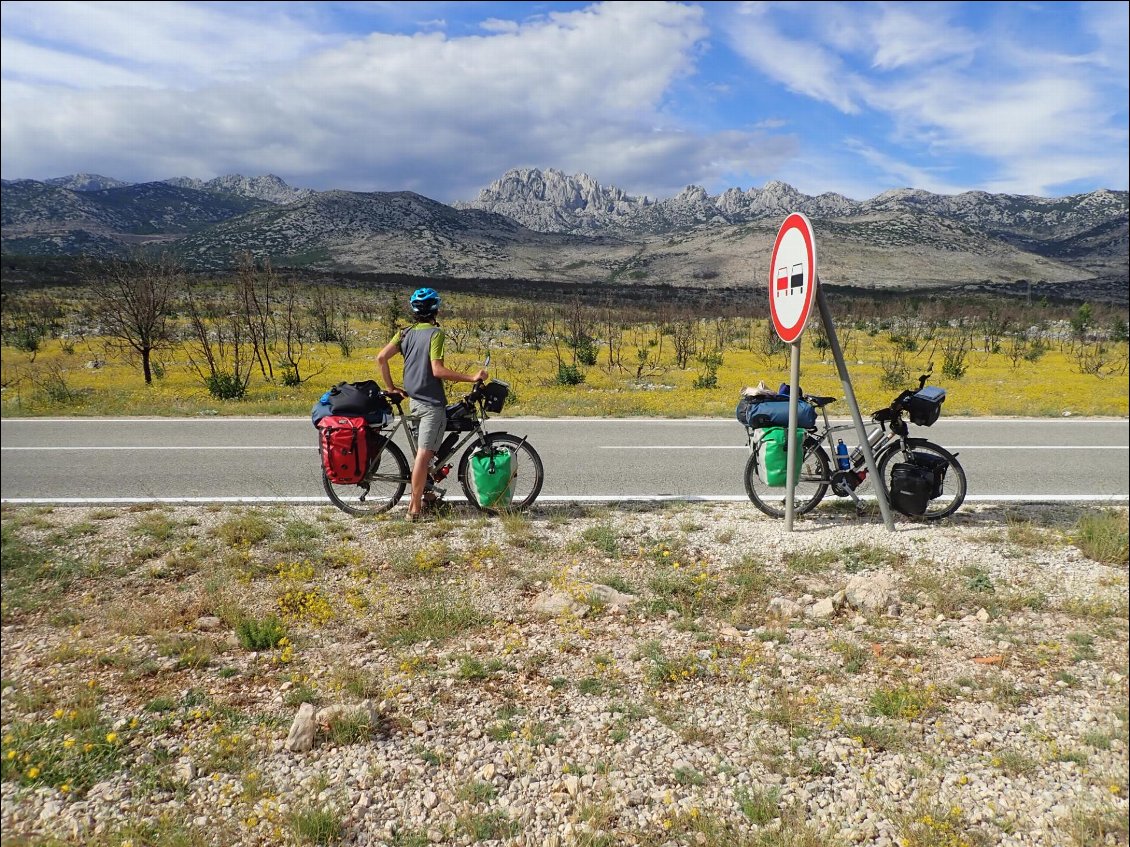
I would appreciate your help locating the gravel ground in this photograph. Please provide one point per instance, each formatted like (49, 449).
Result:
(659, 674)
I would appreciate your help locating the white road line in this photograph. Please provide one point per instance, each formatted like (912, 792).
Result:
(958, 447)
(730, 421)
(168, 447)
(551, 498)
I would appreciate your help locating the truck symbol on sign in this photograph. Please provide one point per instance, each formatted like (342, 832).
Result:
(787, 282)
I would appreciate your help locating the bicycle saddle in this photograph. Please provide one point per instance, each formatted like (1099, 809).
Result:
(818, 402)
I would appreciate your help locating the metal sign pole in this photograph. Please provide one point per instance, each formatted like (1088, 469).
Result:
(790, 455)
(849, 395)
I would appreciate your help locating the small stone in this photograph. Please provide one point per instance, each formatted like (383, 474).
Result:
(301, 735)
(821, 609)
(185, 770)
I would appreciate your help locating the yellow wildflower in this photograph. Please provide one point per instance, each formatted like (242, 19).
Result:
(68, 743)
(111, 737)
(32, 773)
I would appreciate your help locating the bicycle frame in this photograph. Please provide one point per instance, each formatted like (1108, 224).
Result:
(404, 422)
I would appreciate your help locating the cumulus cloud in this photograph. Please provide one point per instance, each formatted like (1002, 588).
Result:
(427, 112)
(936, 92)
(835, 96)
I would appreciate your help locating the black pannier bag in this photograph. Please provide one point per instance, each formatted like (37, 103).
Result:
(912, 488)
(495, 394)
(364, 399)
(925, 406)
(936, 465)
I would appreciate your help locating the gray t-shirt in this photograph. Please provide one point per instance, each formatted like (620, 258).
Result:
(419, 345)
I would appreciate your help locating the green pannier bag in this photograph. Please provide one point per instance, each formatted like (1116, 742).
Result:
(773, 455)
(493, 475)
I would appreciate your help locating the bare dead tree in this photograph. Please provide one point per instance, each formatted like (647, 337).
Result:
(649, 352)
(458, 334)
(218, 347)
(134, 301)
(612, 328)
(292, 326)
(955, 346)
(254, 283)
(684, 336)
(995, 324)
(573, 324)
(531, 323)
(28, 320)
(768, 346)
(330, 322)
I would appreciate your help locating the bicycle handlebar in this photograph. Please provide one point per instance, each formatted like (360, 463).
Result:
(474, 395)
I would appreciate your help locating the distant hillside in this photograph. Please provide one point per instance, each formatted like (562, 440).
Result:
(545, 226)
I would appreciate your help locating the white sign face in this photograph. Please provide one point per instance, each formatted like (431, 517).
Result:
(792, 277)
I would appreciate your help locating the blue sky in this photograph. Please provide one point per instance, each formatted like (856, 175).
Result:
(443, 98)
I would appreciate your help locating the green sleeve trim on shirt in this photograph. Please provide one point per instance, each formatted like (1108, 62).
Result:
(437, 344)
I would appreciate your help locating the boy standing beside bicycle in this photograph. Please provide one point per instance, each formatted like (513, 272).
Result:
(422, 345)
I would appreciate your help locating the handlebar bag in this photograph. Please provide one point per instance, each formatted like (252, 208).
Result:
(364, 399)
(492, 472)
(925, 406)
(344, 447)
(759, 412)
(494, 396)
(912, 488)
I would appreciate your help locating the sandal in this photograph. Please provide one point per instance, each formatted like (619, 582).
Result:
(416, 517)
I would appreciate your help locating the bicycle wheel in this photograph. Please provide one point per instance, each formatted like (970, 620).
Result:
(382, 486)
(811, 483)
(953, 483)
(525, 463)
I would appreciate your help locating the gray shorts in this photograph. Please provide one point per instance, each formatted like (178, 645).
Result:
(430, 429)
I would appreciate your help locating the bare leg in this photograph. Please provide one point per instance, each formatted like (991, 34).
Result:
(419, 480)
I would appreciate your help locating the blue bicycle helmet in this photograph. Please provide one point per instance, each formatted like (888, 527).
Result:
(424, 302)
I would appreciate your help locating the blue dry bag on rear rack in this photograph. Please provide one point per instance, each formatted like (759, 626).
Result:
(773, 410)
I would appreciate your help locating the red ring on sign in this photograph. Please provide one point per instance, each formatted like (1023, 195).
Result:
(799, 222)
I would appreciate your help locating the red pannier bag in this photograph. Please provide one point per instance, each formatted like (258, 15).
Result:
(344, 445)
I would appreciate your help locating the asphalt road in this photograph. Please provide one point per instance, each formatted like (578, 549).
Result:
(263, 459)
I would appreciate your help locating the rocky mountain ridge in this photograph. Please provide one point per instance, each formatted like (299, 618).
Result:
(551, 201)
(546, 226)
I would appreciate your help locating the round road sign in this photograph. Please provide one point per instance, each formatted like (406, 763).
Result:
(792, 277)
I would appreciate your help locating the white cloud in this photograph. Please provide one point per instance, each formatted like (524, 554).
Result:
(888, 94)
(940, 104)
(916, 35)
(35, 64)
(801, 65)
(169, 43)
